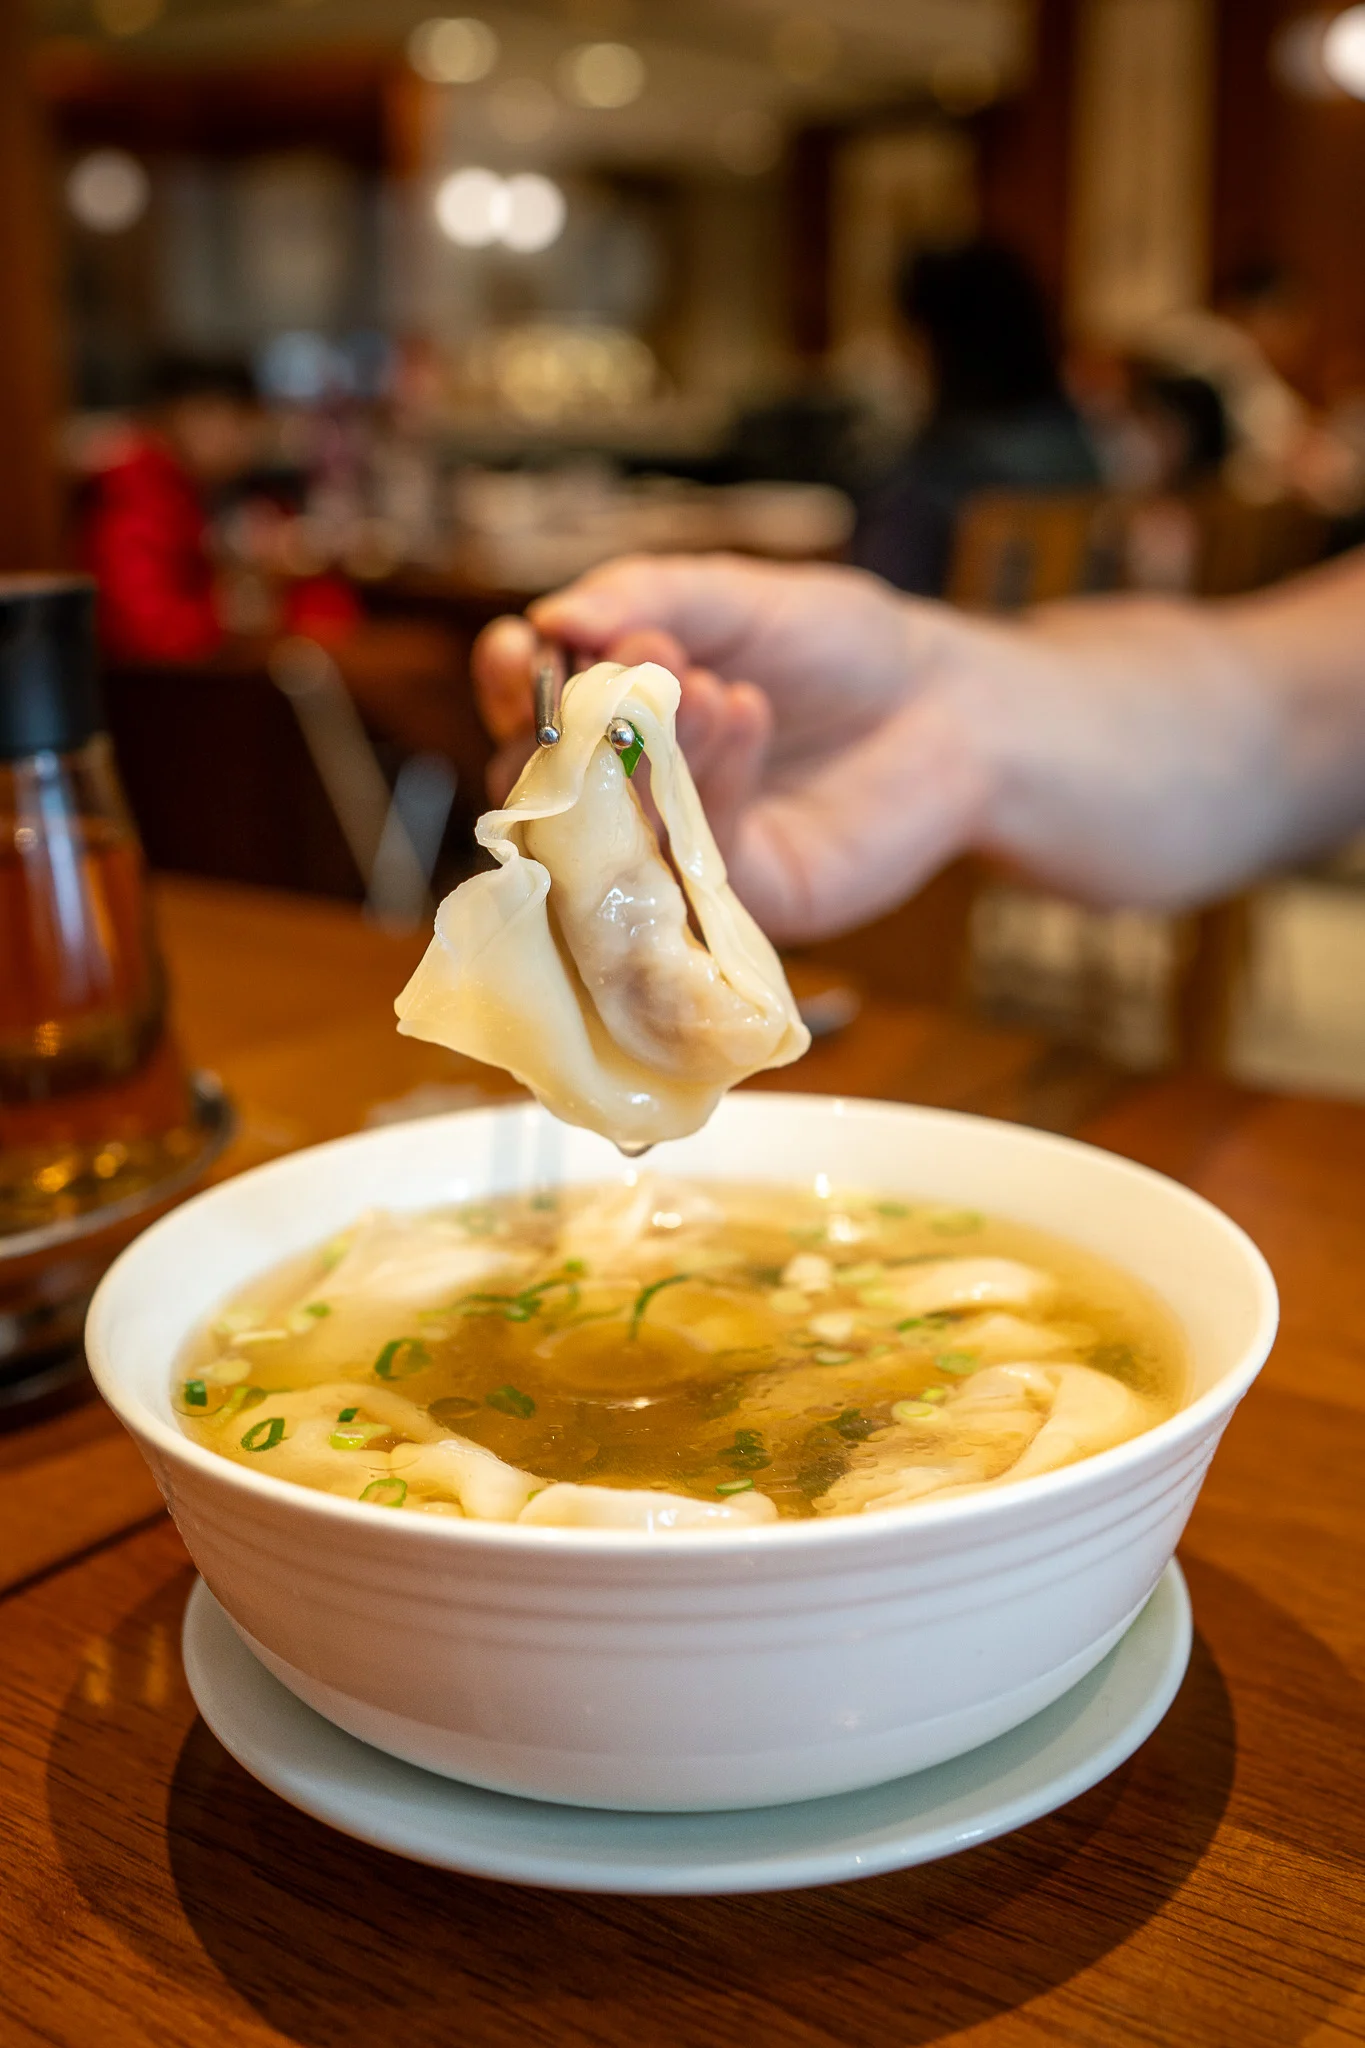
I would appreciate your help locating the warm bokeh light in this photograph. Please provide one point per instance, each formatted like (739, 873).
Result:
(107, 191)
(1343, 52)
(475, 208)
(603, 74)
(453, 50)
(471, 207)
(534, 213)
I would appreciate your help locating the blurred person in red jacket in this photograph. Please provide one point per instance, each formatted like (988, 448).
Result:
(146, 537)
(146, 526)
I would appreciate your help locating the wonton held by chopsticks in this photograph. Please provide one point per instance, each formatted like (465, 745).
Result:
(573, 964)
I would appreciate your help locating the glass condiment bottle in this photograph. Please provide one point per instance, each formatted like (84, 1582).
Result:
(94, 1104)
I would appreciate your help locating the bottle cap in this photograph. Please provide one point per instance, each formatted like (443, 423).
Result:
(49, 668)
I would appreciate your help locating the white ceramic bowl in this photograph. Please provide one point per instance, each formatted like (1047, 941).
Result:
(682, 1671)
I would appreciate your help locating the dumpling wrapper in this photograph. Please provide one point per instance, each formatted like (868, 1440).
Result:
(572, 964)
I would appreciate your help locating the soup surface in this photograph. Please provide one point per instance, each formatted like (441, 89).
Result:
(664, 1354)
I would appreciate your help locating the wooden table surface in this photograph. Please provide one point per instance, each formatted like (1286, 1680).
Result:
(1211, 1891)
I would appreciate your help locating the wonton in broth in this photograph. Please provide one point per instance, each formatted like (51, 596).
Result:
(669, 1355)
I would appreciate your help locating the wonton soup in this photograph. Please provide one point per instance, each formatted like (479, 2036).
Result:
(679, 1355)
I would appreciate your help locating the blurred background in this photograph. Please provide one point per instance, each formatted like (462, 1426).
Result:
(333, 329)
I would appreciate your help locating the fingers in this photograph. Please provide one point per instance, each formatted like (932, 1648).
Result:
(865, 832)
(727, 760)
(501, 665)
(705, 604)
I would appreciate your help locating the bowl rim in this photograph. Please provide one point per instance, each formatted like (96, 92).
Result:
(986, 1507)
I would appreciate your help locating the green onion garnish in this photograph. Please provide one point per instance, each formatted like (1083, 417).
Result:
(353, 1436)
(957, 1362)
(264, 1435)
(937, 1319)
(630, 759)
(957, 1222)
(747, 1453)
(891, 1208)
(511, 1401)
(934, 1394)
(240, 1397)
(317, 1308)
(348, 1415)
(825, 1357)
(386, 1493)
(735, 1486)
(400, 1356)
(912, 1411)
(644, 1298)
(196, 1394)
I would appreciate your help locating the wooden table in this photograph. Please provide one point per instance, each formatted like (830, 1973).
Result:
(1212, 1891)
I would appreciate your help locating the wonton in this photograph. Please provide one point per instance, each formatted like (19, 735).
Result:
(574, 964)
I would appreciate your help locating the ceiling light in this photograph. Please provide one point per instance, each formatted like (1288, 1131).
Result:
(805, 47)
(1343, 52)
(453, 50)
(603, 74)
(107, 191)
(534, 213)
(749, 142)
(475, 208)
(522, 110)
(471, 207)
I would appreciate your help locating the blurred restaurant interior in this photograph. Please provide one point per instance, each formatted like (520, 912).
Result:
(444, 310)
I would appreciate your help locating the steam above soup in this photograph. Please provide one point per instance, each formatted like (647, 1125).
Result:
(668, 1355)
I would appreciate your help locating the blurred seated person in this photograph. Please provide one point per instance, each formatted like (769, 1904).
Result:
(999, 418)
(146, 520)
(147, 538)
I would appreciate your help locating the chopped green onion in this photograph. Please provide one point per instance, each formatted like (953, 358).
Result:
(354, 1436)
(747, 1453)
(892, 1208)
(630, 759)
(957, 1222)
(934, 1394)
(317, 1308)
(240, 1397)
(511, 1401)
(937, 1319)
(735, 1486)
(386, 1493)
(825, 1357)
(196, 1394)
(411, 1351)
(264, 1435)
(957, 1362)
(644, 1298)
(913, 1411)
(348, 1415)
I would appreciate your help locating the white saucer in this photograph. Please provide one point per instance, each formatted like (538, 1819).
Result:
(1060, 1753)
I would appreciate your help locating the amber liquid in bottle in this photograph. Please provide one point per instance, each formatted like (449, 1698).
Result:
(93, 1100)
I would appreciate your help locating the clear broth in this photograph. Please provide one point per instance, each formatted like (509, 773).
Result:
(684, 1355)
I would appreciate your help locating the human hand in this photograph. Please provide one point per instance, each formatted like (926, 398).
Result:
(820, 717)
